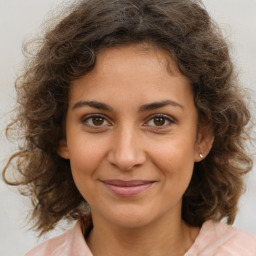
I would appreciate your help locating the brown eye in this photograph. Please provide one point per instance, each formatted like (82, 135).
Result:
(95, 121)
(159, 121)
(98, 120)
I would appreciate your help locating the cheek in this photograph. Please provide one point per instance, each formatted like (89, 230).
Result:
(85, 157)
(175, 158)
(176, 167)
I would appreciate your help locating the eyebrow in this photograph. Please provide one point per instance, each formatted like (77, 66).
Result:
(160, 104)
(143, 108)
(93, 104)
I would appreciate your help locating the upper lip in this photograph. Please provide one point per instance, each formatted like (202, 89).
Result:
(126, 183)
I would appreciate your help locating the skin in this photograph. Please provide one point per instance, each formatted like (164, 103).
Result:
(132, 138)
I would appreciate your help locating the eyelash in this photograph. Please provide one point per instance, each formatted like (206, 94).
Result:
(165, 118)
(85, 121)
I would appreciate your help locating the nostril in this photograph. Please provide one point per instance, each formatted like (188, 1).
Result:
(126, 160)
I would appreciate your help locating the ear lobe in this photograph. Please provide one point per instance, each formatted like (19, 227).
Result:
(205, 139)
(62, 150)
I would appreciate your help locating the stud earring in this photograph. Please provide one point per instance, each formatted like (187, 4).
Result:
(201, 155)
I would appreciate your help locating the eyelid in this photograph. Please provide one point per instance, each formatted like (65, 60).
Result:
(167, 117)
(87, 117)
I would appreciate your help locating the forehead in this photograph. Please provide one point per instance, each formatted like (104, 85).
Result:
(136, 55)
(135, 72)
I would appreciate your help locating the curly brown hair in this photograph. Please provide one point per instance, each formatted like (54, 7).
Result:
(69, 50)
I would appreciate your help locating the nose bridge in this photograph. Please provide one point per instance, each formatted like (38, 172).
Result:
(127, 149)
(127, 141)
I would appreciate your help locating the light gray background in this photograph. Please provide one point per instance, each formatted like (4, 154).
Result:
(19, 19)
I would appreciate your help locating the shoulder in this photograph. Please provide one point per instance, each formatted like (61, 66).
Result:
(71, 242)
(216, 238)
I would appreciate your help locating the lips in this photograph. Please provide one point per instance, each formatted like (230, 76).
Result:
(127, 188)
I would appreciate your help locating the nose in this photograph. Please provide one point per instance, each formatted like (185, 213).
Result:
(126, 151)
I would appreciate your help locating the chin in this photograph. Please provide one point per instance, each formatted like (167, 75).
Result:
(131, 218)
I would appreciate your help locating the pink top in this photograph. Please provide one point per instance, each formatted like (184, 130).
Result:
(214, 239)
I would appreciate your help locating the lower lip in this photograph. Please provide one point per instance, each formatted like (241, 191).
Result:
(128, 191)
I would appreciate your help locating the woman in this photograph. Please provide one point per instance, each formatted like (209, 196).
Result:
(134, 126)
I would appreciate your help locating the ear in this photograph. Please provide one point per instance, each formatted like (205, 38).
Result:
(63, 149)
(204, 142)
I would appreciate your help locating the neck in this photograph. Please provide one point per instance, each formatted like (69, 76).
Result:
(160, 238)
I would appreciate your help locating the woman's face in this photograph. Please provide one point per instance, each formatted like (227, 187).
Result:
(131, 136)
